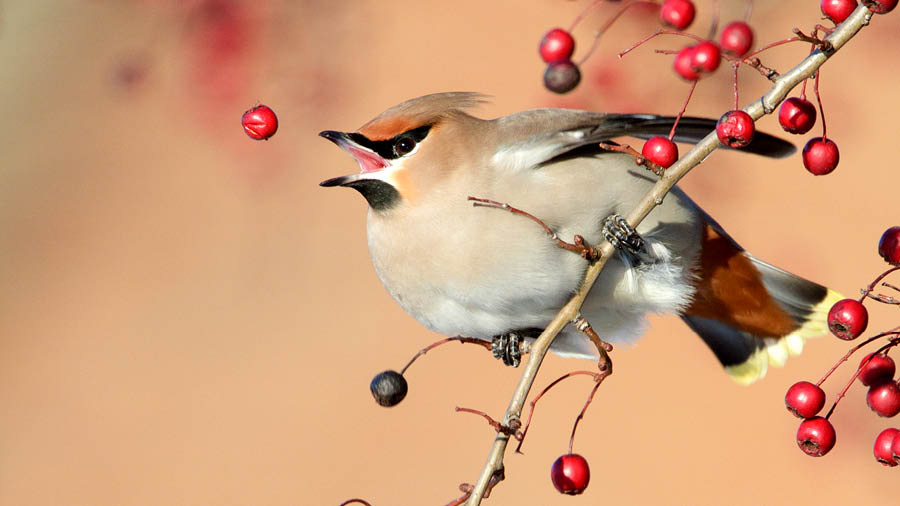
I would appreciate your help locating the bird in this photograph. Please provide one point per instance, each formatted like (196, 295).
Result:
(462, 270)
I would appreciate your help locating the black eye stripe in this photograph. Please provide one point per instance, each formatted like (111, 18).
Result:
(385, 148)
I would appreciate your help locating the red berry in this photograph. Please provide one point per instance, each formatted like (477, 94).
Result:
(820, 156)
(260, 122)
(570, 474)
(848, 319)
(895, 448)
(797, 115)
(684, 64)
(838, 10)
(804, 399)
(562, 76)
(557, 45)
(880, 6)
(876, 370)
(884, 398)
(737, 38)
(889, 246)
(678, 14)
(661, 151)
(735, 129)
(883, 444)
(706, 57)
(816, 436)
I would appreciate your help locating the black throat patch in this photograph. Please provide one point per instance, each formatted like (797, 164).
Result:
(380, 195)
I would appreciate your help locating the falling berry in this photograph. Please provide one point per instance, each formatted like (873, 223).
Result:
(735, 129)
(879, 368)
(838, 10)
(883, 444)
(816, 436)
(737, 38)
(388, 388)
(820, 156)
(804, 399)
(557, 45)
(661, 151)
(797, 115)
(562, 76)
(884, 398)
(848, 319)
(706, 57)
(570, 474)
(880, 6)
(889, 246)
(260, 122)
(678, 14)
(684, 64)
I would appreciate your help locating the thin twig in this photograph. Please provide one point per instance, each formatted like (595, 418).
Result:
(765, 105)
(461, 339)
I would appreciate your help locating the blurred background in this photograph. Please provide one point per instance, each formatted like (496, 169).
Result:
(187, 318)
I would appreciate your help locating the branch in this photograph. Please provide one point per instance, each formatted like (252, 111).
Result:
(764, 105)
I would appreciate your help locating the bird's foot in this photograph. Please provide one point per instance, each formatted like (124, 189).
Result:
(626, 240)
(509, 348)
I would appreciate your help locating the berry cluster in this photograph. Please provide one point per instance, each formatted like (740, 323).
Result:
(735, 128)
(847, 320)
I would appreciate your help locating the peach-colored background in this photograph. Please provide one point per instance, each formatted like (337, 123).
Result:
(186, 318)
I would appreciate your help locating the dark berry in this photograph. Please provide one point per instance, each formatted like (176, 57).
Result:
(838, 10)
(260, 122)
(889, 246)
(678, 14)
(820, 156)
(804, 399)
(737, 38)
(562, 76)
(735, 129)
(661, 151)
(706, 57)
(876, 370)
(388, 388)
(883, 444)
(848, 319)
(684, 64)
(557, 45)
(570, 474)
(884, 398)
(797, 115)
(816, 436)
(880, 6)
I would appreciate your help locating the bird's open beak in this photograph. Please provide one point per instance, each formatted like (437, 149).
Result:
(368, 160)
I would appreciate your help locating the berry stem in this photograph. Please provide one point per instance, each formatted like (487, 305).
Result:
(683, 108)
(714, 24)
(881, 276)
(748, 11)
(599, 380)
(893, 342)
(584, 13)
(545, 390)
(461, 339)
(734, 67)
(770, 46)
(819, 100)
(851, 351)
(603, 28)
(510, 430)
(657, 33)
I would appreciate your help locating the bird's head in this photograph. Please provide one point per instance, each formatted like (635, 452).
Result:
(406, 150)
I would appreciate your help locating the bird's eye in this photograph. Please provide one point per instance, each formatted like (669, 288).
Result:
(404, 145)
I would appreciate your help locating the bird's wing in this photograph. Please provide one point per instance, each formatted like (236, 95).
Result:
(531, 138)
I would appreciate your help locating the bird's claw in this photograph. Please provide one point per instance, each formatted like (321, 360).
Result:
(625, 239)
(508, 347)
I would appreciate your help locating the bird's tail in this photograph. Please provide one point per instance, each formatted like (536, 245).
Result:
(750, 313)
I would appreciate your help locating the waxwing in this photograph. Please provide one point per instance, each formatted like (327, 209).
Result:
(483, 272)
